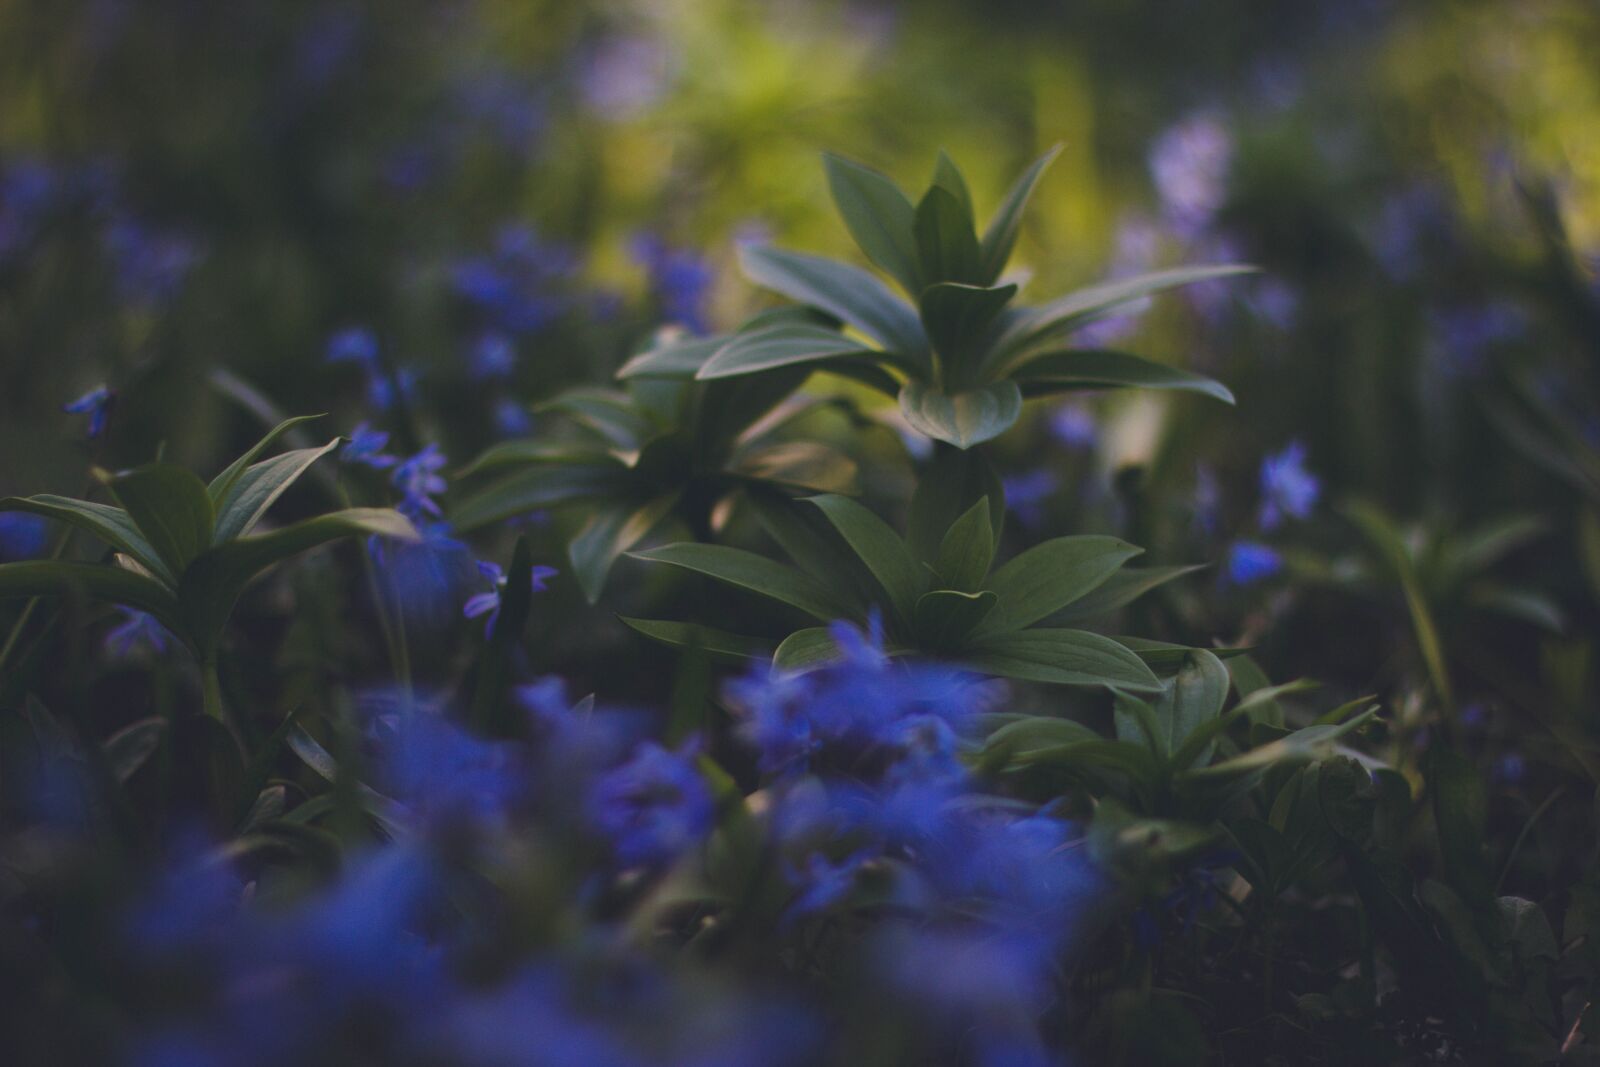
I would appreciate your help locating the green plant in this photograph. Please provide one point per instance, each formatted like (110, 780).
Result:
(959, 357)
(182, 550)
(853, 566)
(655, 451)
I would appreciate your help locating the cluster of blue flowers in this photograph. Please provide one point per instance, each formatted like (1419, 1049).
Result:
(1288, 491)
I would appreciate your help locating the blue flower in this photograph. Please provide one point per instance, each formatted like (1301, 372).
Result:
(138, 634)
(1510, 769)
(1027, 493)
(622, 76)
(151, 264)
(494, 355)
(511, 419)
(27, 188)
(520, 287)
(419, 481)
(1287, 488)
(423, 576)
(23, 536)
(1189, 163)
(653, 807)
(1074, 425)
(1251, 561)
(96, 404)
(679, 280)
(1462, 339)
(489, 603)
(385, 390)
(366, 447)
(1206, 503)
(357, 345)
(441, 773)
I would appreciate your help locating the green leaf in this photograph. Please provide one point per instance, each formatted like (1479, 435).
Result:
(222, 483)
(130, 747)
(1001, 236)
(779, 346)
(258, 486)
(1097, 754)
(1121, 589)
(967, 549)
(965, 419)
(1017, 741)
(99, 580)
(541, 486)
(607, 412)
(947, 247)
(171, 508)
(212, 583)
(526, 451)
(1056, 317)
(804, 649)
(878, 216)
(1308, 743)
(948, 176)
(1190, 701)
(799, 464)
(951, 483)
(1065, 657)
(810, 540)
(611, 531)
(746, 570)
(944, 617)
(958, 318)
(1051, 575)
(717, 644)
(1460, 811)
(848, 293)
(880, 548)
(1055, 372)
(110, 524)
(672, 359)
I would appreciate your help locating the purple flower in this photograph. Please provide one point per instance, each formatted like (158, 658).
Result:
(1461, 339)
(1207, 500)
(1027, 493)
(151, 264)
(96, 404)
(679, 280)
(366, 447)
(623, 76)
(138, 634)
(1189, 163)
(1510, 769)
(1250, 562)
(357, 345)
(1287, 488)
(440, 772)
(489, 603)
(653, 807)
(1073, 424)
(521, 286)
(494, 355)
(419, 481)
(512, 419)
(23, 536)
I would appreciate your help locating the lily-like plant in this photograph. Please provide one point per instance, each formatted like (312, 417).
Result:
(960, 357)
(656, 451)
(182, 549)
(853, 566)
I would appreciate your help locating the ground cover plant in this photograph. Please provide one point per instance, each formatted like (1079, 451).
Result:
(473, 591)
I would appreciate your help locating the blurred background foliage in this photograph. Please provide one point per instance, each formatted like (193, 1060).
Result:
(520, 193)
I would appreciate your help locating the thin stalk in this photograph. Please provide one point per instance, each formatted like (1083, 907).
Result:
(211, 688)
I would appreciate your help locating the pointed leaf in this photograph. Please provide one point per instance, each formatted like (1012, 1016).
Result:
(1121, 589)
(607, 412)
(1051, 575)
(130, 747)
(950, 484)
(879, 217)
(957, 319)
(99, 580)
(526, 451)
(538, 487)
(880, 548)
(800, 464)
(779, 346)
(674, 359)
(1001, 236)
(848, 293)
(746, 570)
(212, 583)
(258, 486)
(947, 247)
(1056, 317)
(967, 550)
(172, 509)
(965, 419)
(804, 649)
(222, 483)
(1191, 700)
(110, 524)
(944, 617)
(1065, 657)
(948, 176)
(1309, 743)
(717, 644)
(610, 532)
(1056, 372)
